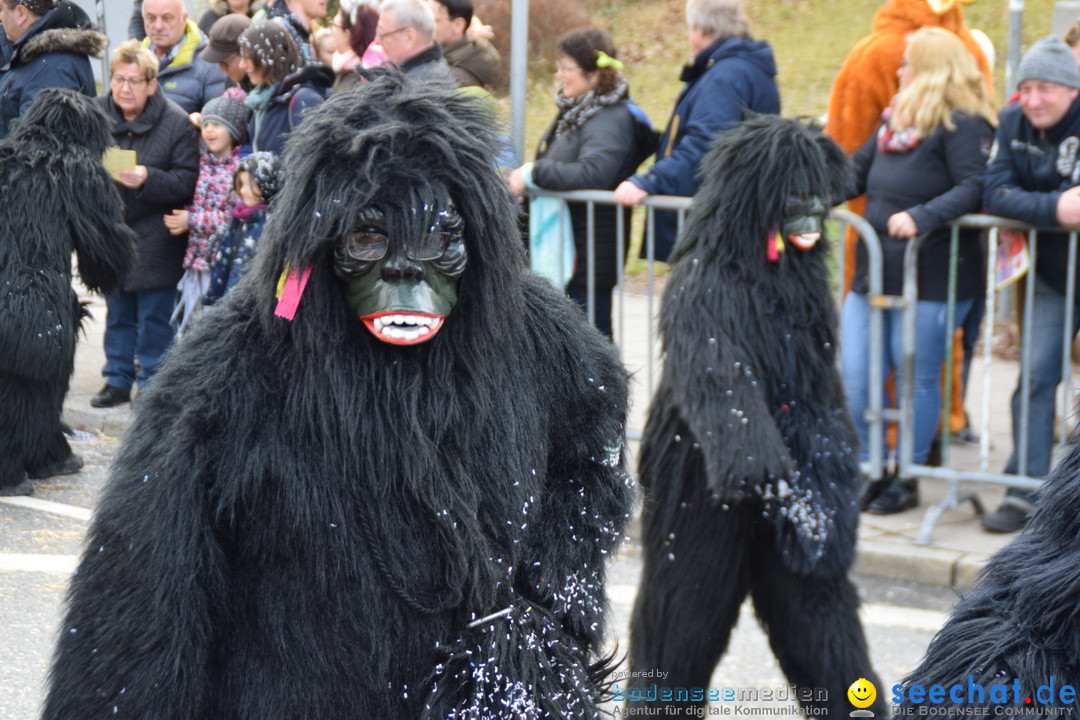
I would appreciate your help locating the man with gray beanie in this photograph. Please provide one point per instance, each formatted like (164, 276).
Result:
(1034, 176)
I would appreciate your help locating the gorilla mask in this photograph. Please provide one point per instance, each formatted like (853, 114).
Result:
(804, 219)
(400, 274)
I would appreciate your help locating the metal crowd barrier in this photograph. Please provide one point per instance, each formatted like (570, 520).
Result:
(878, 414)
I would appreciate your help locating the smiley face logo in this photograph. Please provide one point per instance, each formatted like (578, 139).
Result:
(862, 693)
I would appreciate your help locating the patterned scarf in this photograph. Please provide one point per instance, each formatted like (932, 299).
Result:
(895, 140)
(574, 112)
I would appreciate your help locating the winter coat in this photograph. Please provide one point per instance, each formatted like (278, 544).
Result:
(211, 208)
(936, 181)
(428, 65)
(165, 141)
(598, 156)
(234, 253)
(188, 80)
(867, 80)
(308, 88)
(725, 80)
(54, 52)
(1028, 170)
(473, 61)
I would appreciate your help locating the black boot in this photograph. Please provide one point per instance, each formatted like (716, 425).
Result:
(897, 496)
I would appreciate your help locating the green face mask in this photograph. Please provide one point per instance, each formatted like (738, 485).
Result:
(402, 288)
(804, 219)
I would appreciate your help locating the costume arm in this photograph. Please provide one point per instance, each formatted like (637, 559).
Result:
(174, 185)
(606, 139)
(863, 88)
(719, 393)
(135, 640)
(580, 518)
(104, 244)
(1004, 195)
(965, 153)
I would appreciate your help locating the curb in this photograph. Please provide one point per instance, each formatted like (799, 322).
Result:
(914, 563)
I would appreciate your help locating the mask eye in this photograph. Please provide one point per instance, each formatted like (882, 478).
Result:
(366, 245)
(430, 246)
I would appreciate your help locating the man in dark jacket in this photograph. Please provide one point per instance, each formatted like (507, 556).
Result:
(167, 155)
(51, 46)
(1034, 176)
(730, 74)
(472, 61)
(176, 40)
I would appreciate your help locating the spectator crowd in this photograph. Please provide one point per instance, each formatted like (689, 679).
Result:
(200, 109)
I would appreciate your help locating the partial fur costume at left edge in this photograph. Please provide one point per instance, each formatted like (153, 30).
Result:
(381, 477)
(57, 199)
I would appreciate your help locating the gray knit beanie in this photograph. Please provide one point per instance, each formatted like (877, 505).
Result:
(1050, 59)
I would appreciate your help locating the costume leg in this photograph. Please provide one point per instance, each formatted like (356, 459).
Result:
(695, 578)
(814, 631)
(25, 418)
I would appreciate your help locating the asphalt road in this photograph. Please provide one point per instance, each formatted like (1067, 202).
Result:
(40, 542)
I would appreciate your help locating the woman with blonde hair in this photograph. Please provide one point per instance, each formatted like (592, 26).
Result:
(920, 170)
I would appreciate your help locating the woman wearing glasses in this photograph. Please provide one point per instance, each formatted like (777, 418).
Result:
(162, 180)
(597, 140)
(920, 170)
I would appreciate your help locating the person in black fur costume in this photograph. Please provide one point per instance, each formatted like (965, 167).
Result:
(57, 199)
(1016, 635)
(396, 504)
(747, 461)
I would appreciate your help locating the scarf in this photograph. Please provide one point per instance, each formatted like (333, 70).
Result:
(244, 213)
(260, 96)
(895, 140)
(574, 112)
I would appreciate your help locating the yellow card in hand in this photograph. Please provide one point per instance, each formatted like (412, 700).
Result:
(116, 159)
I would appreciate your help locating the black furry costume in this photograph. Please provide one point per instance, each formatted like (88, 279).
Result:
(57, 199)
(1021, 622)
(304, 521)
(748, 462)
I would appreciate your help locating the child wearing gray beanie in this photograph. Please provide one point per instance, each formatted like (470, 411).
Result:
(1052, 60)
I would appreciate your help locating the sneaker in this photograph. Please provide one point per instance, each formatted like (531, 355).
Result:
(1010, 517)
(897, 496)
(23, 488)
(66, 466)
(110, 396)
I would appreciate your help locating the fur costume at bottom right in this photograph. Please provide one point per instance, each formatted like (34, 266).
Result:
(1012, 645)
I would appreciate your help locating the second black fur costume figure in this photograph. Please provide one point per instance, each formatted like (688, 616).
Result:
(395, 504)
(57, 199)
(1012, 645)
(748, 462)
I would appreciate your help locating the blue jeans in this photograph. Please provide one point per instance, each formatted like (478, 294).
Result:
(136, 326)
(930, 334)
(1047, 326)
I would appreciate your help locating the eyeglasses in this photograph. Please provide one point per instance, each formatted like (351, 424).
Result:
(133, 83)
(369, 246)
(381, 35)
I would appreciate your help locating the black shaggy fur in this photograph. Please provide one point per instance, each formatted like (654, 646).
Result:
(57, 199)
(303, 520)
(748, 462)
(1021, 623)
